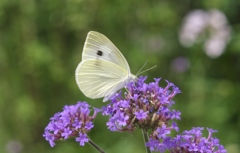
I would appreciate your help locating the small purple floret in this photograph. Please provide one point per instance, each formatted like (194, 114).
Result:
(74, 121)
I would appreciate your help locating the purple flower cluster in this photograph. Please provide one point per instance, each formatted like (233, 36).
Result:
(74, 121)
(188, 142)
(148, 107)
(144, 106)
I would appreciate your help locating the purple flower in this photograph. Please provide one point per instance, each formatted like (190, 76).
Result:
(66, 133)
(174, 126)
(73, 121)
(82, 139)
(152, 144)
(111, 124)
(162, 132)
(188, 141)
(77, 124)
(175, 115)
(144, 106)
(121, 118)
(89, 125)
(50, 138)
(141, 114)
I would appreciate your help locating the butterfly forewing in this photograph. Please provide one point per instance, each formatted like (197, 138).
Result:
(98, 46)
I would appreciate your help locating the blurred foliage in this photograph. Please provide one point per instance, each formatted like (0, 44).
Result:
(41, 43)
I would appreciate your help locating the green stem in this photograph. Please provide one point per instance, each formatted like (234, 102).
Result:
(145, 137)
(95, 146)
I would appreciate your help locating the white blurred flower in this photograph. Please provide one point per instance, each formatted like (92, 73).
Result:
(215, 45)
(217, 19)
(214, 22)
(194, 23)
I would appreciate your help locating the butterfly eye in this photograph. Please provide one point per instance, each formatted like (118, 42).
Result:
(99, 53)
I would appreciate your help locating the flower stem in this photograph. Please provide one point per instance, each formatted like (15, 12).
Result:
(145, 137)
(95, 146)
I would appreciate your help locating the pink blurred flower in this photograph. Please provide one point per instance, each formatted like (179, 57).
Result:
(212, 23)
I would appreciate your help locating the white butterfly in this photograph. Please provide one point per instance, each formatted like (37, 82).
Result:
(103, 69)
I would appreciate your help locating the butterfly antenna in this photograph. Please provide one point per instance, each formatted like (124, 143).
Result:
(139, 72)
(147, 70)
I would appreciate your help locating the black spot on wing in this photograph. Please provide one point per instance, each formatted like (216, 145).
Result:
(99, 53)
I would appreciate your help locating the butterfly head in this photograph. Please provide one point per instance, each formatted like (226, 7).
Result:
(132, 78)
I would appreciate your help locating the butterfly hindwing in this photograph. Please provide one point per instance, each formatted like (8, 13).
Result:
(99, 78)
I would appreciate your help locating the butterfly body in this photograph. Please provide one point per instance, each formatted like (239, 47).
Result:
(103, 69)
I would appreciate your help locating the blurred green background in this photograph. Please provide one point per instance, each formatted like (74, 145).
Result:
(41, 43)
